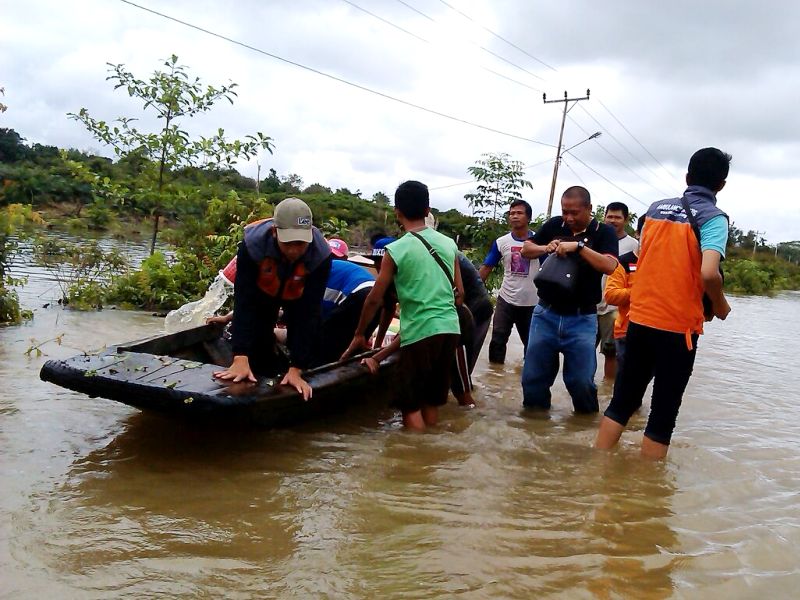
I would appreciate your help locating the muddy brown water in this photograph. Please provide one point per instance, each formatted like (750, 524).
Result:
(99, 500)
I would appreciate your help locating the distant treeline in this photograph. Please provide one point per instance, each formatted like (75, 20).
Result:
(96, 192)
(206, 208)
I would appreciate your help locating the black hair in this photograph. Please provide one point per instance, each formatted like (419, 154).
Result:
(709, 167)
(378, 235)
(412, 199)
(528, 209)
(621, 207)
(640, 224)
(580, 192)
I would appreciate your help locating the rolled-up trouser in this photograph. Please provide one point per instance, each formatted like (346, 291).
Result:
(574, 337)
(664, 357)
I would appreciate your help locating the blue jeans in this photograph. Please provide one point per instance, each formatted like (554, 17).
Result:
(574, 337)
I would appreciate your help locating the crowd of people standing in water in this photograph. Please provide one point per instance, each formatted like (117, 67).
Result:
(569, 287)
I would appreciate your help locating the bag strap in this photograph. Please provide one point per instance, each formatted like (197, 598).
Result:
(436, 256)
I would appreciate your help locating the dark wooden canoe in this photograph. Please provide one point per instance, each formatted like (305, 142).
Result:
(172, 374)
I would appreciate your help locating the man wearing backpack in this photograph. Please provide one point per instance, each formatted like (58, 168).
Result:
(674, 271)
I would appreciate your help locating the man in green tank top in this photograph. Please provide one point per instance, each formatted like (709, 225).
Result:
(429, 329)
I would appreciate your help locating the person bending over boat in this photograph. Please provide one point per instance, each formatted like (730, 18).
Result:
(282, 262)
(429, 327)
(347, 288)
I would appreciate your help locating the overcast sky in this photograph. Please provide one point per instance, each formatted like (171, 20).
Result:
(666, 78)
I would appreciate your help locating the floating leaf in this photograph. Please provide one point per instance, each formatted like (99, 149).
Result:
(188, 400)
(90, 373)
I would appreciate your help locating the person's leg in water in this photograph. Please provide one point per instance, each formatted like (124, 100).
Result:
(629, 387)
(460, 379)
(522, 322)
(502, 323)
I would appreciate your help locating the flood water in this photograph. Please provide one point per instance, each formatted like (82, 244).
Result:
(99, 500)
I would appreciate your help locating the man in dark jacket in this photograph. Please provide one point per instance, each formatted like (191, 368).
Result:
(282, 262)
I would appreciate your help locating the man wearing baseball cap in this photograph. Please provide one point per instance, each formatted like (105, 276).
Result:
(282, 262)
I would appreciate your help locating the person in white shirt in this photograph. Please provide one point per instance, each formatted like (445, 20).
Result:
(517, 293)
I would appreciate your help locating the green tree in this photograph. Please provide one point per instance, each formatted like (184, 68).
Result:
(174, 96)
(335, 228)
(380, 199)
(499, 181)
(12, 147)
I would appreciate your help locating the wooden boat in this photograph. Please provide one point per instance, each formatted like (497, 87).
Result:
(172, 374)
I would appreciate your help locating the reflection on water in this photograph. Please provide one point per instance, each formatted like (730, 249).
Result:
(99, 500)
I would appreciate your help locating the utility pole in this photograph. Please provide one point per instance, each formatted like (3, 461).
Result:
(566, 102)
(755, 240)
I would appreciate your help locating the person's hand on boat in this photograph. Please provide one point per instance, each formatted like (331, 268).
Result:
(293, 378)
(371, 364)
(238, 371)
(220, 318)
(359, 344)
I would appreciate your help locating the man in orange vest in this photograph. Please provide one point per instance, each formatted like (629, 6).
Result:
(674, 271)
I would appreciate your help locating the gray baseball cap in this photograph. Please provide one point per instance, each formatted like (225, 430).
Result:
(293, 220)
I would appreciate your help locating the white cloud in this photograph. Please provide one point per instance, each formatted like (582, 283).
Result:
(679, 75)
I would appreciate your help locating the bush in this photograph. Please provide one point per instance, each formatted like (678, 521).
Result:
(156, 285)
(9, 306)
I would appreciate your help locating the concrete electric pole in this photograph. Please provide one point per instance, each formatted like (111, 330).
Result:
(566, 102)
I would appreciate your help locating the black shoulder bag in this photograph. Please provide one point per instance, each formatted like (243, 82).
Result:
(708, 309)
(465, 319)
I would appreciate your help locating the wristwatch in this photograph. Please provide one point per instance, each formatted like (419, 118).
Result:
(581, 246)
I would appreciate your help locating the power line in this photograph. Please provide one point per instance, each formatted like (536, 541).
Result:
(450, 185)
(389, 23)
(334, 77)
(566, 164)
(638, 142)
(607, 180)
(612, 155)
(421, 39)
(621, 145)
(498, 36)
(484, 48)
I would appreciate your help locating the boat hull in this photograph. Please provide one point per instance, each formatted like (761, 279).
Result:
(173, 375)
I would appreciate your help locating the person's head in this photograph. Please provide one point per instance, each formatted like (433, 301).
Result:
(640, 226)
(338, 248)
(412, 201)
(293, 223)
(520, 214)
(576, 208)
(617, 216)
(375, 237)
(709, 168)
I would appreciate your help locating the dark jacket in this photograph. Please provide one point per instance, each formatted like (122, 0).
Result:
(266, 281)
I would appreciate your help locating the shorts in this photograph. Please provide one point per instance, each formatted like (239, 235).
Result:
(605, 333)
(425, 366)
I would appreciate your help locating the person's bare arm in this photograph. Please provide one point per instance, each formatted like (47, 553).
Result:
(459, 283)
(484, 271)
(372, 303)
(712, 280)
(373, 362)
(531, 250)
(599, 262)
